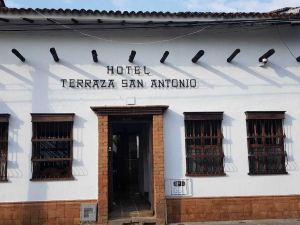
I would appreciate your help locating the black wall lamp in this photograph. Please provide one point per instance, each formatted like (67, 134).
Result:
(264, 57)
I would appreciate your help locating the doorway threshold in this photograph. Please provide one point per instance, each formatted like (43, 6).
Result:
(134, 221)
(129, 208)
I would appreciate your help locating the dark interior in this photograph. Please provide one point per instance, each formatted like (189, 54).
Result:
(129, 172)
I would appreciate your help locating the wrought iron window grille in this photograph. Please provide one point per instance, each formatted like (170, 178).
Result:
(265, 138)
(52, 146)
(203, 140)
(3, 146)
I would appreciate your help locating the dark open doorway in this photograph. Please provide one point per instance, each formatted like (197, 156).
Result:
(130, 190)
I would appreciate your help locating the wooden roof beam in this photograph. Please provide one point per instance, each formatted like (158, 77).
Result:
(54, 54)
(95, 56)
(164, 57)
(234, 54)
(132, 55)
(18, 54)
(198, 56)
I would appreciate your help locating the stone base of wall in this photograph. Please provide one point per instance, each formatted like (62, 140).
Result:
(41, 213)
(179, 210)
(233, 208)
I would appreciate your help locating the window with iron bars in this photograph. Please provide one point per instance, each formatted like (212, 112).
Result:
(52, 146)
(3, 146)
(203, 140)
(266, 154)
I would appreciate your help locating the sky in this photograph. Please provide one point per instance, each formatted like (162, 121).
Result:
(160, 5)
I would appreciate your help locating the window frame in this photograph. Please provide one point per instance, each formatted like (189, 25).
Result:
(4, 126)
(193, 117)
(52, 118)
(260, 159)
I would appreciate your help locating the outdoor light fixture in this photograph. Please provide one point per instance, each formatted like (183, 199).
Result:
(234, 54)
(132, 55)
(18, 54)
(298, 59)
(54, 54)
(197, 56)
(264, 57)
(164, 57)
(95, 56)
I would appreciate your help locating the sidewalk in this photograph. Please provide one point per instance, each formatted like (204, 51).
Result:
(248, 222)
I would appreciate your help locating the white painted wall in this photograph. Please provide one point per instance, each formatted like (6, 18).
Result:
(35, 87)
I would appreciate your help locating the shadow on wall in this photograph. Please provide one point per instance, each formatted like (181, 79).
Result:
(151, 70)
(247, 69)
(229, 165)
(78, 167)
(291, 162)
(89, 75)
(40, 93)
(44, 72)
(282, 72)
(14, 149)
(37, 190)
(40, 104)
(173, 148)
(78, 70)
(224, 76)
(176, 165)
(176, 68)
(16, 75)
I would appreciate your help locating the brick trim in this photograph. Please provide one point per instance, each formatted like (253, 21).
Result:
(158, 169)
(232, 208)
(103, 170)
(130, 110)
(159, 201)
(46, 213)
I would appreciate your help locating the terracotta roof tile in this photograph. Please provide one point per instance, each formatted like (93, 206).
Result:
(2, 3)
(82, 12)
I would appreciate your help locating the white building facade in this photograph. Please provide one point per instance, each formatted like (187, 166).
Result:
(219, 139)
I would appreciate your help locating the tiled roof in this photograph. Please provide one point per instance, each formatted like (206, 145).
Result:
(2, 3)
(83, 12)
(287, 10)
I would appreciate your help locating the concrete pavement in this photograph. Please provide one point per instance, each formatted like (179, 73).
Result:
(248, 222)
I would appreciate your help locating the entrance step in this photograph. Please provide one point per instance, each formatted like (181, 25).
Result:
(133, 221)
(121, 214)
